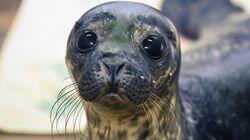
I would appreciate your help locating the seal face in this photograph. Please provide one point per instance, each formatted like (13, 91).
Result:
(121, 56)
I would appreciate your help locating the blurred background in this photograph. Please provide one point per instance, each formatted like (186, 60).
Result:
(33, 36)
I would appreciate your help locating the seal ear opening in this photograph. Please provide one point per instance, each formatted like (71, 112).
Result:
(174, 38)
(78, 24)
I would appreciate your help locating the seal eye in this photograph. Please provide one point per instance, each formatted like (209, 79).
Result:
(86, 41)
(153, 46)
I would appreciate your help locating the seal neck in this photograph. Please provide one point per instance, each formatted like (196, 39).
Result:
(158, 121)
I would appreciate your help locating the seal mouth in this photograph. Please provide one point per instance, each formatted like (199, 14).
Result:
(112, 96)
(113, 100)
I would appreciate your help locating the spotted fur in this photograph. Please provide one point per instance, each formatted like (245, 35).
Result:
(210, 102)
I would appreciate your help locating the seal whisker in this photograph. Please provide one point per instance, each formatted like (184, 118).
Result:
(171, 106)
(66, 108)
(56, 113)
(66, 124)
(64, 100)
(65, 91)
(139, 117)
(61, 109)
(154, 111)
(59, 105)
(146, 112)
(76, 117)
(67, 78)
(59, 98)
(70, 112)
(80, 121)
(61, 114)
(165, 117)
(71, 80)
(149, 111)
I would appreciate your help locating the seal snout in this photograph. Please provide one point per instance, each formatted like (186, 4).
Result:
(113, 80)
(113, 67)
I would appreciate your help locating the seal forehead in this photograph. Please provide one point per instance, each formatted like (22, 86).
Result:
(127, 8)
(130, 11)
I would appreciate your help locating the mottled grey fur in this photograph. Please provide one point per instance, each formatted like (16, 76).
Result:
(215, 75)
(211, 99)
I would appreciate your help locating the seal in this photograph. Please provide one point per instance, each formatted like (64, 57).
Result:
(124, 61)
(125, 64)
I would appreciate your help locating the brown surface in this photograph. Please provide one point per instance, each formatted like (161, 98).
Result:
(28, 137)
(8, 9)
(4, 136)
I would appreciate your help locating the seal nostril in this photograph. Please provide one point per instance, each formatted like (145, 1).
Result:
(113, 69)
(107, 68)
(119, 68)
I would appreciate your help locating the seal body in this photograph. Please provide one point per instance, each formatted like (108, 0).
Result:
(125, 58)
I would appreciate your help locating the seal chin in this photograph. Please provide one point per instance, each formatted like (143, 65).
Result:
(113, 101)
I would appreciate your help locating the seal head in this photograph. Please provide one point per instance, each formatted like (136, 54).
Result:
(121, 54)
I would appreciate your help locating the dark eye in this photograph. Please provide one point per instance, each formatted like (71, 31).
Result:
(86, 41)
(153, 46)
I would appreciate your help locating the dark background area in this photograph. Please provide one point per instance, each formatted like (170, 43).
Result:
(8, 9)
